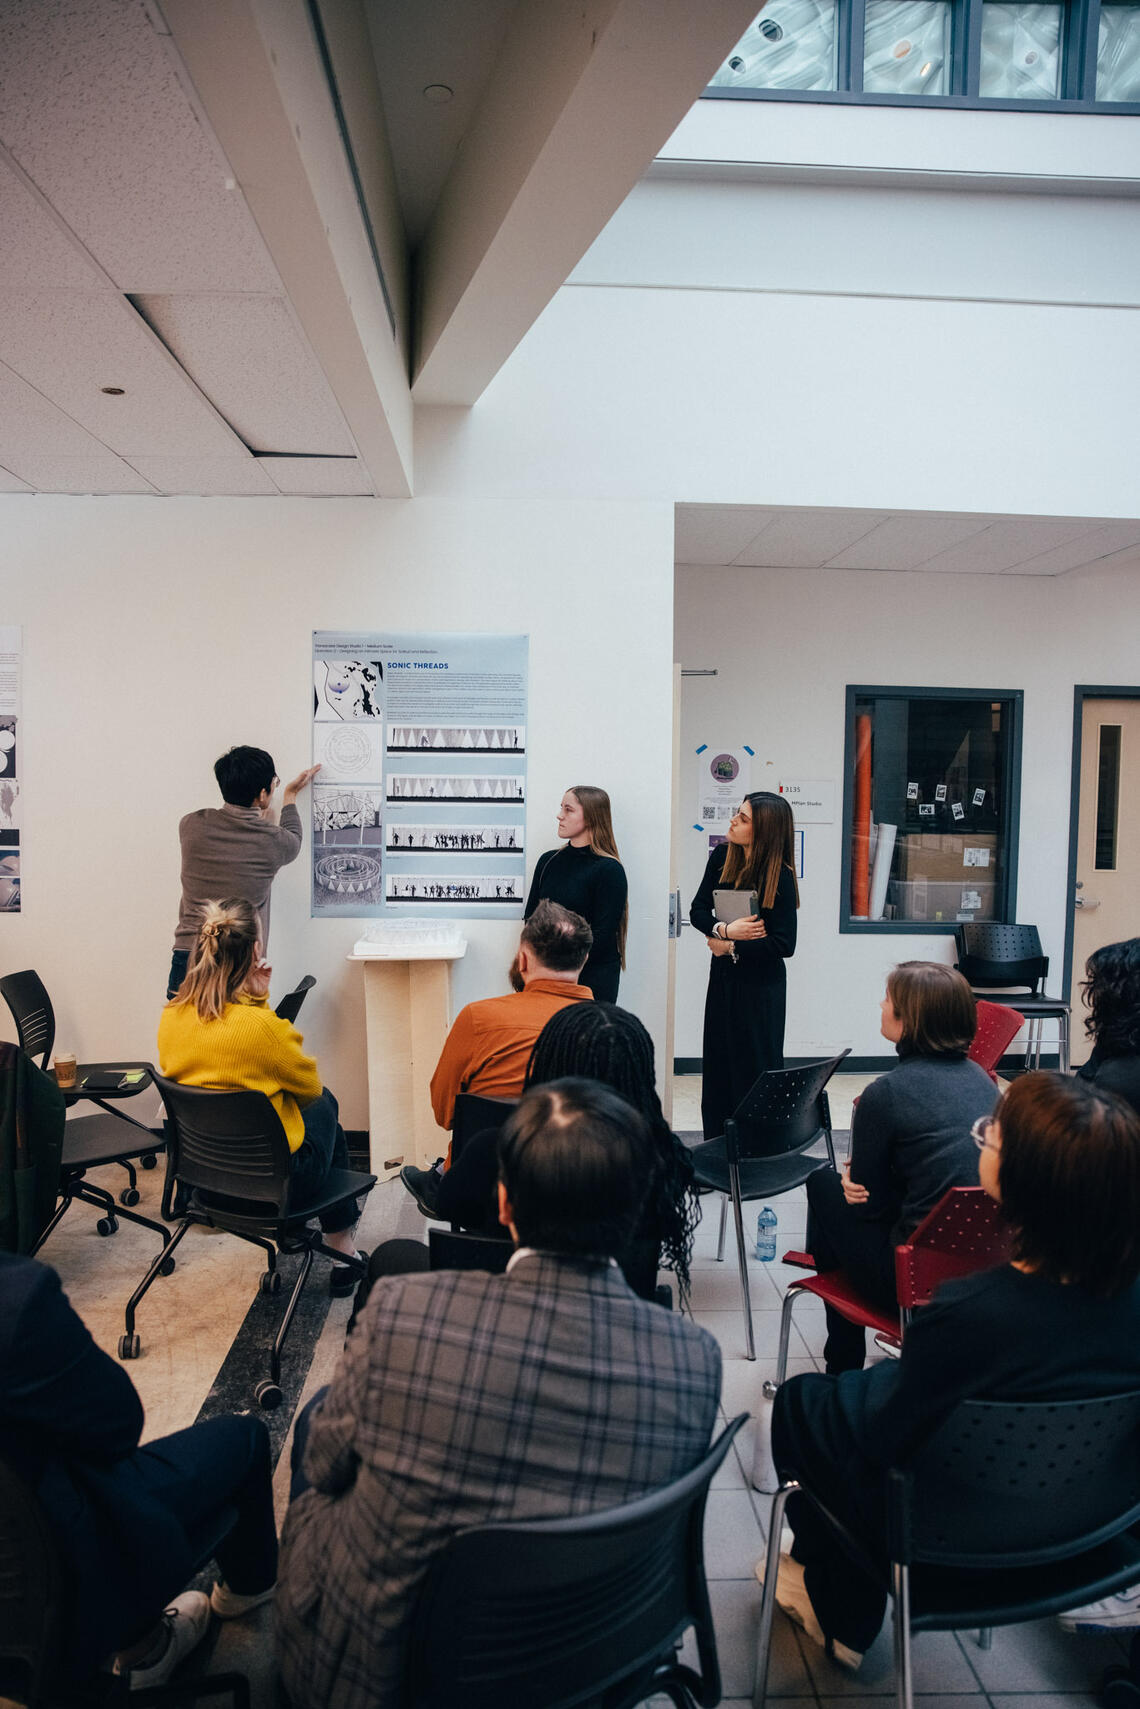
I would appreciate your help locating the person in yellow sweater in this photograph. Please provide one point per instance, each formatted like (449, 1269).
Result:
(219, 1031)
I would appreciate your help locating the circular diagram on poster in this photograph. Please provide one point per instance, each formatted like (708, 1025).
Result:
(724, 768)
(347, 873)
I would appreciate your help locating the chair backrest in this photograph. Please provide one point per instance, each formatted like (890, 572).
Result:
(785, 1111)
(30, 1590)
(551, 1612)
(1018, 1483)
(228, 1143)
(964, 1233)
(449, 1249)
(997, 1026)
(26, 996)
(290, 1005)
(472, 1115)
(990, 953)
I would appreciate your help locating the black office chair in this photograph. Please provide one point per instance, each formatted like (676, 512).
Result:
(473, 1114)
(450, 1249)
(1010, 1511)
(290, 1005)
(762, 1151)
(991, 955)
(33, 1616)
(586, 1611)
(231, 1154)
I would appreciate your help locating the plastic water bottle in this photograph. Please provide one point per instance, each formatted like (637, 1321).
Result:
(766, 1235)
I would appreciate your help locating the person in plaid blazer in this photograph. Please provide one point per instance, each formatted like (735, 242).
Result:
(465, 1398)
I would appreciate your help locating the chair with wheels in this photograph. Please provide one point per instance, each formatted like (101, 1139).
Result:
(991, 956)
(33, 1616)
(290, 1005)
(998, 1024)
(450, 1249)
(1010, 1511)
(588, 1611)
(963, 1233)
(762, 1151)
(230, 1153)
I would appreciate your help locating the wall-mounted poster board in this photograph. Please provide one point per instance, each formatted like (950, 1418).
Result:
(11, 768)
(419, 807)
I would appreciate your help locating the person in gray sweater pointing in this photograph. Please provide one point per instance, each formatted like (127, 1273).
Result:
(235, 850)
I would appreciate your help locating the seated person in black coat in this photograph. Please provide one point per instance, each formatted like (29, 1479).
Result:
(910, 1143)
(1112, 992)
(1060, 1322)
(132, 1524)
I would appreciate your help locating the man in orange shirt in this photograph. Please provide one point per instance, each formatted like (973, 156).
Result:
(489, 1045)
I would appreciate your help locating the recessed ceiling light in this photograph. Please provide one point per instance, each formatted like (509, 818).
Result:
(439, 94)
(114, 391)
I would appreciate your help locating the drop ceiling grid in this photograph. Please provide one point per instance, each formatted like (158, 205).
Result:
(1005, 545)
(714, 534)
(10, 483)
(807, 539)
(101, 472)
(38, 252)
(318, 477)
(206, 477)
(31, 422)
(904, 542)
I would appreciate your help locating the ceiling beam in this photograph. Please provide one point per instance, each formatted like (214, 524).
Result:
(584, 95)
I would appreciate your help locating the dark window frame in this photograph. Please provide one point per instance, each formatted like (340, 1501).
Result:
(1014, 699)
(1080, 35)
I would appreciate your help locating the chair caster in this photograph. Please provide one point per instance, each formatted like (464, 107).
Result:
(149, 1160)
(269, 1282)
(268, 1395)
(770, 1389)
(107, 1225)
(166, 1268)
(129, 1346)
(129, 1196)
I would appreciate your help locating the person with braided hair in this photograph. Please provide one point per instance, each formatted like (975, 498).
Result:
(219, 1031)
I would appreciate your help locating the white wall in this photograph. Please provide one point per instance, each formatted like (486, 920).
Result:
(159, 632)
(787, 642)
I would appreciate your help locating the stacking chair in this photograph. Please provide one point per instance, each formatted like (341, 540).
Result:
(33, 1614)
(588, 1611)
(963, 1233)
(762, 1151)
(992, 956)
(290, 1005)
(473, 1114)
(450, 1249)
(1010, 1511)
(231, 1154)
(998, 1024)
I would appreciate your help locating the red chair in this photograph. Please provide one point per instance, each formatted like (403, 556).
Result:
(963, 1233)
(998, 1026)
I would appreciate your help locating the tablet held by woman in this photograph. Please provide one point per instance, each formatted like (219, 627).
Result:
(586, 876)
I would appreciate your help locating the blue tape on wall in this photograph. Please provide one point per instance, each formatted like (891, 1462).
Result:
(702, 747)
(750, 751)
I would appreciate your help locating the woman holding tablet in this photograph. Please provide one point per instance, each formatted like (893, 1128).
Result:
(750, 928)
(586, 876)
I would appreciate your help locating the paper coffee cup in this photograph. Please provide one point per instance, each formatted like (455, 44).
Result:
(65, 1070)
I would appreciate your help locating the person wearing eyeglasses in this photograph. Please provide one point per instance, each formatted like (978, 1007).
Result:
(910, 1143)
(1060, 1321)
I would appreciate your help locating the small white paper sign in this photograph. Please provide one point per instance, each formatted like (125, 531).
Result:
(812, 803)
(975, 857)
(940, 792)
(926, 809)
(957, 810)
(979, 797)
(912, 792)
(971, 899)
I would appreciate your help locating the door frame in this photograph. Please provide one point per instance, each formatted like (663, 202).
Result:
(1082, 692)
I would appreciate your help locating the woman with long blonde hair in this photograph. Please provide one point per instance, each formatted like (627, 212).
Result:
(744, 1008)
(219, 1031)
(586, 876)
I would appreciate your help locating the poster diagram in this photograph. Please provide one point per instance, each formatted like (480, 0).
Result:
(11, 649)
(420, 803)
(724, 779)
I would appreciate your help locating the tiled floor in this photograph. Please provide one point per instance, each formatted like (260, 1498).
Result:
(190, 1319)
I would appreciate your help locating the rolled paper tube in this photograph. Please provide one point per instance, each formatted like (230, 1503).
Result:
(881, 871)
(861, 864)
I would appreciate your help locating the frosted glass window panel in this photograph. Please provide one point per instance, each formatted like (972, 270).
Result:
(1118, 54)
(792, 45)
(906, 49)
(1021, 51)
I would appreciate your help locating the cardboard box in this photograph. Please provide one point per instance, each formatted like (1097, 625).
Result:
(968, 898)
(944, 856)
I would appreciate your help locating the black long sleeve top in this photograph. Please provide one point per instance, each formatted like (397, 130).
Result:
(589, 884)
(760, 958)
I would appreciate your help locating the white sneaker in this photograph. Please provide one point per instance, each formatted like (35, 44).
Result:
(792, 1597)
(185, 1620)
(230, 1604)
(1113, 1614)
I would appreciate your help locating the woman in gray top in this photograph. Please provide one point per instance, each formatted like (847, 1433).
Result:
(910, 1143)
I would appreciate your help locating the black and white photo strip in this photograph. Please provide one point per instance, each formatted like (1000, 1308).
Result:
(455, 839)
(437, 786)
(412, 887)
(457, 738)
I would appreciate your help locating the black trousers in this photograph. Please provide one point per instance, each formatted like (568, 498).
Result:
(840, 1239)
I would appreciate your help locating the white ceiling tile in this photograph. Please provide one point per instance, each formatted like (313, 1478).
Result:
(68, 344)
(211, 477)
(99, 473)
(246, 354)
(36, 251)
(1099, 540)
(10, 483)
(715, 533)
(29, 422)
(805, 539)
(1002, 545)
(901, 542)
(91, 108)
(319, 477)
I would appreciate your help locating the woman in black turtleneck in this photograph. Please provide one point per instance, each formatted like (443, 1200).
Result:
(586, 876)
(911, 1142)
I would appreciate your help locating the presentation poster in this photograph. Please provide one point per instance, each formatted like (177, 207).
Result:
(11, 769)
(419, 807)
